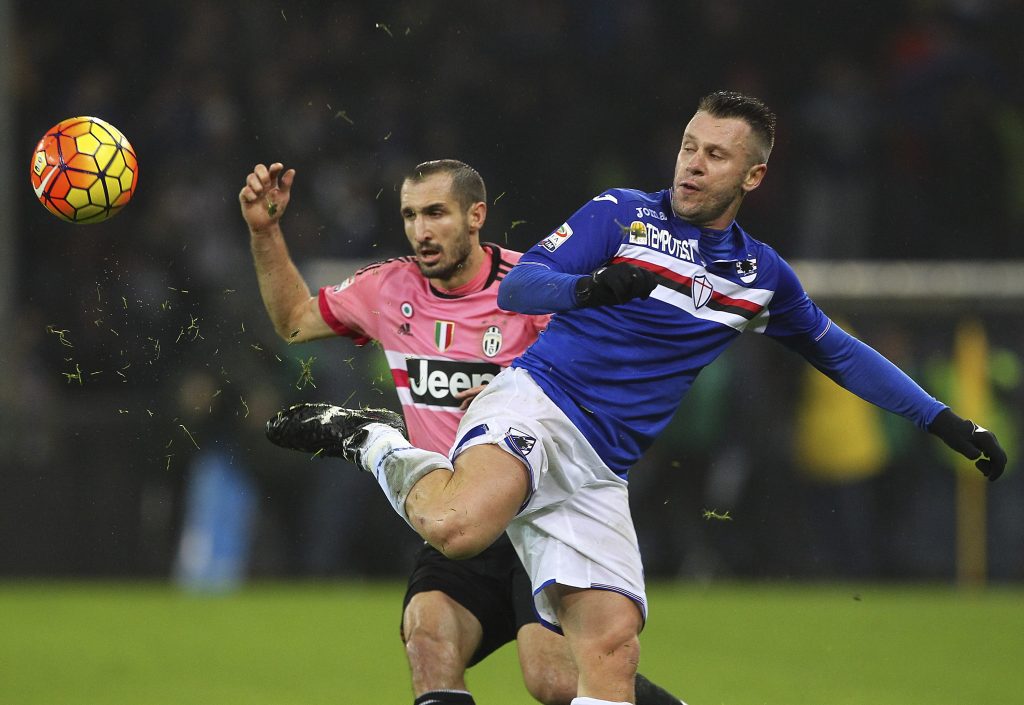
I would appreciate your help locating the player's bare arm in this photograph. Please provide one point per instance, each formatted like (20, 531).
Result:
(293, 310)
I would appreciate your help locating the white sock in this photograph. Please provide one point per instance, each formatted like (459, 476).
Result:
(397, 464)
(595, 701)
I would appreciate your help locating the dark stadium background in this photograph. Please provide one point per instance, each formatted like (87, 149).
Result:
(901, 136)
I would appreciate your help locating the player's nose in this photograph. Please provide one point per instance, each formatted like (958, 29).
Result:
(421, 232)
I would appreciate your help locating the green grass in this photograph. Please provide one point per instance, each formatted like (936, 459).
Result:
(132, 644)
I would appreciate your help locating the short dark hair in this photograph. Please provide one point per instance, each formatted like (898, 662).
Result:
(467, 184)
(730, 104)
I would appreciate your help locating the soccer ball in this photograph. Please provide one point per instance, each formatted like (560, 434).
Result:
(84, 170)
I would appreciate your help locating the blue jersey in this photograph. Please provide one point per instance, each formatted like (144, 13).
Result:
(620, 372)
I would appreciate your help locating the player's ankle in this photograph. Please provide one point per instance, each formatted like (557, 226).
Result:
(445, 697)
(381, 440)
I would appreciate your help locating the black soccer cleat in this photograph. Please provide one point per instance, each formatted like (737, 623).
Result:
(327, 429)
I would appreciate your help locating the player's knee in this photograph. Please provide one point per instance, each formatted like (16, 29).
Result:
(427, 649)
(459, 547)
(458, 538)
(616, 650)
(422, 645)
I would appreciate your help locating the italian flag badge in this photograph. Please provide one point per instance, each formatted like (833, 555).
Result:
(444, 334)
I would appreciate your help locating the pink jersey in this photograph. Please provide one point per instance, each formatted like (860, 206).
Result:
(437, 342)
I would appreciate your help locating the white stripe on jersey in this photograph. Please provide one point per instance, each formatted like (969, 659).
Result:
(685, 303)
(759, 323)
(405, 396)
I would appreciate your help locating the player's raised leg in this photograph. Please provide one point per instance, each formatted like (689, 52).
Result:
(462, 511)
(459, 513)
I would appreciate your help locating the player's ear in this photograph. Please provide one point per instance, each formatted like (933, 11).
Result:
(476, 215)
(755, 175)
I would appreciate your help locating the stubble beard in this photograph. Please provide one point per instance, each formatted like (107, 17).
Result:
(450, 263)
(707, 212)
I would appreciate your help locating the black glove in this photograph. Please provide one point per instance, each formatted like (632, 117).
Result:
(970, 440)
(615, 284)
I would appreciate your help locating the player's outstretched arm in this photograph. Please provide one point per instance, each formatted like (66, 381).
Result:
(862, 370)
(263, 200)
(972, 441)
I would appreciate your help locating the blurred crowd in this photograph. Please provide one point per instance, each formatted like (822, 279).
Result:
(141, 353)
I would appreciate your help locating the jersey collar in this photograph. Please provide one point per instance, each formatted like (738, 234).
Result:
(741, 244)
(484, 278)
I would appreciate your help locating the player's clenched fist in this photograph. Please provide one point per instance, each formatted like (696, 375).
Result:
(265, 195)
(615, 284)
(972, 441)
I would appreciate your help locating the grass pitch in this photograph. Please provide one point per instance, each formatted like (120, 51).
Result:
(284, 644)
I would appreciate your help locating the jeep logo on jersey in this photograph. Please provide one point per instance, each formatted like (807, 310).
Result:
(553, 241)
(701, 290)
(492, 341)
(444, 334)
(435, 382)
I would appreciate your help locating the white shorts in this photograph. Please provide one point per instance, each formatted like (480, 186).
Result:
(575, 528)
